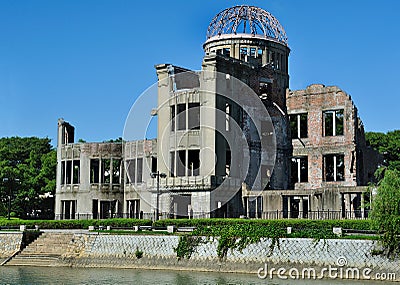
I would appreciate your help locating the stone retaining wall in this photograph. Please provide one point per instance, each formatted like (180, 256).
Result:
(293, 255)
(10, 242)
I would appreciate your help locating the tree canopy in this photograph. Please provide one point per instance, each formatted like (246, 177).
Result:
(27, 171)
(388, 145)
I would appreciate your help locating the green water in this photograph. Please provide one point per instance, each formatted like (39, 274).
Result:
(57, 275)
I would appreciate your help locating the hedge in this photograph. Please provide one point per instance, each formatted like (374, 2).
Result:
(75, 224)
(282, 223)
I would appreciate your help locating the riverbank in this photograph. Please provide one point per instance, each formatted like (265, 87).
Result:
(346, 259)
(290, 258)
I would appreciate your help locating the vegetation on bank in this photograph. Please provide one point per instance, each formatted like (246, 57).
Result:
(237, 234)
(385, 216)
(231, 234)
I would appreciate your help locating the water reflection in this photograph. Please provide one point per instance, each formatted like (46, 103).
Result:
(56, 275)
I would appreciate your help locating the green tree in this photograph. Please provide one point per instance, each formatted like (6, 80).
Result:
(386, 211)
(29, 167)
(388, 145)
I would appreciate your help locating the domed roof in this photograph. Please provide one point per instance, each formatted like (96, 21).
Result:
(247, 20)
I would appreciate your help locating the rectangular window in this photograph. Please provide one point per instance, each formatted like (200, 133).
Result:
(299, 125)
(76, 172)
(243, 53)
(194, 116)
(181, 117)
(153, 164)
(333, 167)
(226, 51)
(172, 168)
(299, 169)
(131, 170)
(116, 163)
(139, 172)
(333, 123)
(173, 118)
(227, 162)
(94, 170)
(180, 163)
(62, 172)
(259, 53)
(68, 172)
(106, 175)
(194, 162)
(253, 52)
(228, 108)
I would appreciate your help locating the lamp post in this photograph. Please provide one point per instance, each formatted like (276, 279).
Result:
(158, 175)
(10, 191)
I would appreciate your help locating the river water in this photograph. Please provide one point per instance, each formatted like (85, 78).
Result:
(59, 275)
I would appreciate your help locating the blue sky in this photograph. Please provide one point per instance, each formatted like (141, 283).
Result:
(87, 61)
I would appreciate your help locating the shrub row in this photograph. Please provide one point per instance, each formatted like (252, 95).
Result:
(75, 224)
(283, 223)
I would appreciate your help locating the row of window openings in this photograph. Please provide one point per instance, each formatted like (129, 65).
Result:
(109, 172)
(245, 52)
(193, 112)
(332, 120)
(333, 168)
(102, 210)
(134, 169)
(70, 170)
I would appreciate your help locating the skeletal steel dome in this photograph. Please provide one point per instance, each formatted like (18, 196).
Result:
(247, 20)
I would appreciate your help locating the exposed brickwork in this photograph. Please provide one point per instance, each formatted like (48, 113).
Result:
(314, 100)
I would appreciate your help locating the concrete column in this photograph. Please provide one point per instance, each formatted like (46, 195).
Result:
(70, 209)
(247, 204)
(98, 209)
(264, 56)
(362, 205)
(111, 172)
(100, 170)
(288, 206)
(352, 197)
(237, 51)
(348, 205)
(301, 207)
(256, 207)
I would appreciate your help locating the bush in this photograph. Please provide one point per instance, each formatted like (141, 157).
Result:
(138, 253)
(76, 224)
(386, 211)
(237, 234)
(283, 223)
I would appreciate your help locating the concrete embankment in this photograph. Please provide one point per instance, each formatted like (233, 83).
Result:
(293, 258)
(347, 259)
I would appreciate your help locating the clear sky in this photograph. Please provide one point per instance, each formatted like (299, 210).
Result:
(87, 61)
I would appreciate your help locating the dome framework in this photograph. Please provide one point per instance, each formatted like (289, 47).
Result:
(247, 20)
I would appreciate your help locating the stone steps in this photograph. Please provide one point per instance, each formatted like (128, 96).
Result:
(45, 251)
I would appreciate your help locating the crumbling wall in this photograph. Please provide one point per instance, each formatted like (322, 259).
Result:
(317, 100)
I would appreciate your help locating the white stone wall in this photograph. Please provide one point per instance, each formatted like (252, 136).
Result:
(158, 252)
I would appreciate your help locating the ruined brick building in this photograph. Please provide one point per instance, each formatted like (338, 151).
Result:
(306, 155)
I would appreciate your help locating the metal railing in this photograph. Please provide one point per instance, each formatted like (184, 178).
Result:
(269, 215)
(315, 215)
